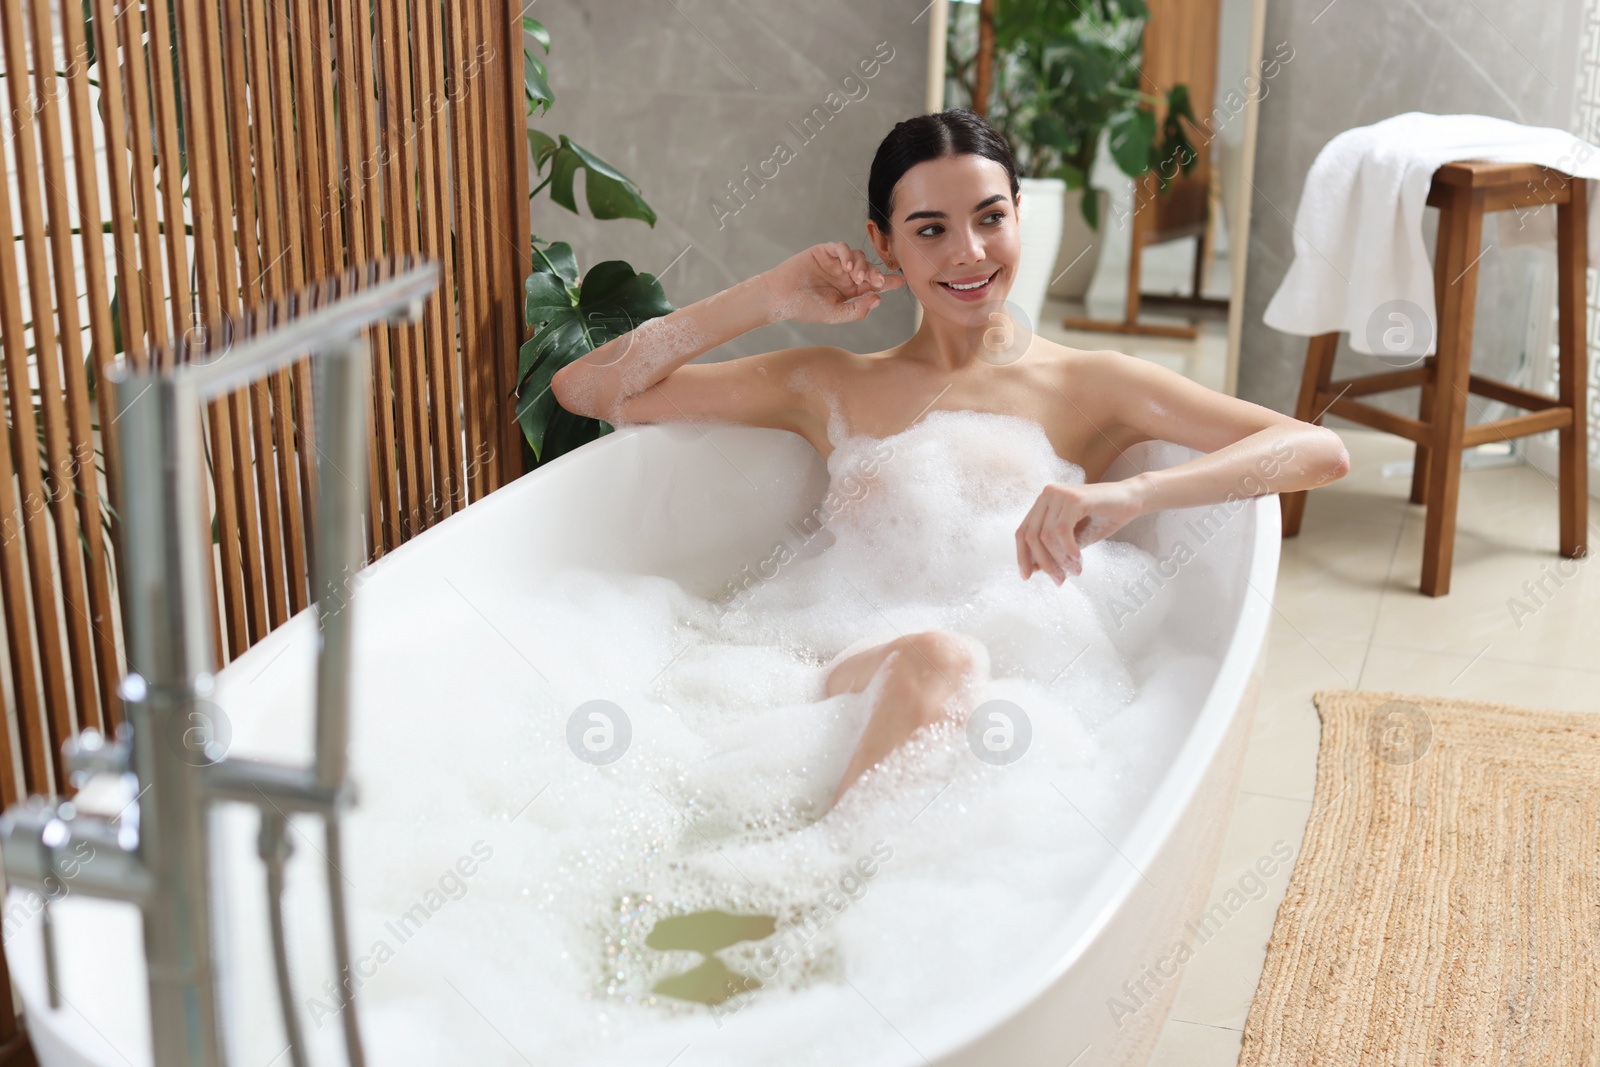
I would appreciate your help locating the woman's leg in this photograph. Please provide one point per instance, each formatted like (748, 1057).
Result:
(924, 671)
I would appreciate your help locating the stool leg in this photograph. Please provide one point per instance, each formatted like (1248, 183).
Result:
(1463, 214)
(1422, 460)
(1313, 381)
(1573, 390)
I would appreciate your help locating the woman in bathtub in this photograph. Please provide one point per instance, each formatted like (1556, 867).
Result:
(942, 206)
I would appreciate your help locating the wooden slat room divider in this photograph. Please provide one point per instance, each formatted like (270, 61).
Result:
(168, 164)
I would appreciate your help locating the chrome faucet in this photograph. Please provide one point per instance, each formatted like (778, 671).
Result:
(157, 852)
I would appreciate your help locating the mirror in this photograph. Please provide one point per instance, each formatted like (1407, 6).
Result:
(1147, 111)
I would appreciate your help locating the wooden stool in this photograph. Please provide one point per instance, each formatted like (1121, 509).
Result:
(1463, 192)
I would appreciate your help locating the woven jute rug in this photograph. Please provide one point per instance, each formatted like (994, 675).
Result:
(1445, 908)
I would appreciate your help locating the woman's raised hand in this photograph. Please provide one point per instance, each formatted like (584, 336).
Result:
(827, 283)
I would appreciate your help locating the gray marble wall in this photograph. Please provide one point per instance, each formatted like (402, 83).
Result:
(1356, 62)
(688, 96)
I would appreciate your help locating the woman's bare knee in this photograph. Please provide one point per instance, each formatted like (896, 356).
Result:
(923, 659)
(925, 679)
(855, 673)
(912, 699)
(949, 656)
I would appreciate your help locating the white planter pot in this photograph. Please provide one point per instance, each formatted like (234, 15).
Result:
(1040, 216)
(1079, 251)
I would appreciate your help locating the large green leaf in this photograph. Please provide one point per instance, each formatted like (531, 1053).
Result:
(1132, 133)
(611, 194)
(88, 33)
(536, 82)
(546, 296)
(535, 29)
(1070, 174)
(1089, 207)
(556, 258)
(1178, 104)
(536, 405)
(568, 431)
(116, 314)
(1124, 9)
(544, 146)
(572, 320)
(1174, 144)
(534, 76)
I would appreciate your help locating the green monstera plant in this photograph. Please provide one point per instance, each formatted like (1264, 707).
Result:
(572, 316)
(1063, 71)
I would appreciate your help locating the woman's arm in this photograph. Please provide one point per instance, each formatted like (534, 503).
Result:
(1250, 451)
(641, 376)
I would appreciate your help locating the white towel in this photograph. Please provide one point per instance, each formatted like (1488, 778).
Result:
(1360, 264)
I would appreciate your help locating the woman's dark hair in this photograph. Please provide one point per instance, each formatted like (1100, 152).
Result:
(955, 131)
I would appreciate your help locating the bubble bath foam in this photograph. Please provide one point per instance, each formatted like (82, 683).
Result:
(690, 895)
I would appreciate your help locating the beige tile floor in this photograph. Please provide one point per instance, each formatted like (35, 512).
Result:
(1349, 615)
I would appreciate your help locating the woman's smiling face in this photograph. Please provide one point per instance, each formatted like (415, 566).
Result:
(953, 223)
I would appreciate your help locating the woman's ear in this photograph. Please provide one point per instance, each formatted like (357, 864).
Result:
(880, 244)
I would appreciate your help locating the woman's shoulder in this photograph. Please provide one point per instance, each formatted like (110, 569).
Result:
(1056, 364)
(1085, 369)
(1068, 356)
(793, 367)
(827, 366)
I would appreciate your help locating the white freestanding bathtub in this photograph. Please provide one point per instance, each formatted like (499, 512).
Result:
(694, 505)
